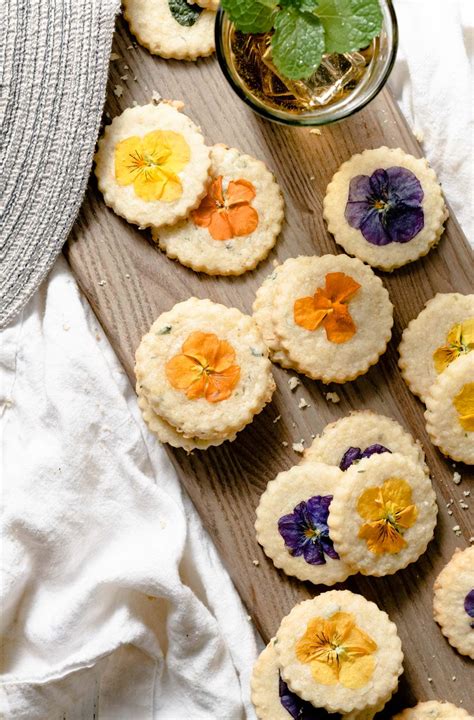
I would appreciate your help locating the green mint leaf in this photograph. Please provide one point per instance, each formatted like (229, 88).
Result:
(349, 24)
(298, 43)
(301, 5)
(184, 13)
(251, 16)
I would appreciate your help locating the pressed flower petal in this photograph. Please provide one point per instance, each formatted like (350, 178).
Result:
(203, 347)
(220, 227)
(179, 151)
(407, 517)
(397, 491)
(342, 624)
(370, 504)
(469, 603)
(381, 537)
(297, 708)
(405, 186)
(128, 159)
(239, 191)
(313, 553)
(243, 220)
(444, 356)
(325, 673)
(460, 340)
(339, 325)
(379, 184)
(356, 672)
(182, 371)
(402, 222)
(306, 315)
(467, 333)
(340, 286)
(220, 385)
(374, 230)
(216, 192)
(203, 214)
(317, 509)
(156, 183)
(464, 404)
(198, 388)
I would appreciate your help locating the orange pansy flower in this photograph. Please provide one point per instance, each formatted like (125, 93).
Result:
(227, 214)
(328, 307)
(205, 368)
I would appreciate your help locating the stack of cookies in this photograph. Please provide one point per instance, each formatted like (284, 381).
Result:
(328, 317)
(361, 501)
(337, 652)
(437, 364)
(215, 209)
(202, 373)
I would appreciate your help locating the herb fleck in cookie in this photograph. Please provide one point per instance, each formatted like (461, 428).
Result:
(292, 523)
(450, 410)
(332, 316)
(442, 332)
(453, 602)
(172, 28)
(166, 433)
(237, 222)
(204, 369)
(339, 651)
(273, 699)
(360, 435)
(385, 207)
(383, 515)
(433, 710)
(152, 165)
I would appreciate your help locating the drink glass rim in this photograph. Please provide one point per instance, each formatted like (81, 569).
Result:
(334, 113)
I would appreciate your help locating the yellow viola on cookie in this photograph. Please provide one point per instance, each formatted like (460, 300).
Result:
(388, 512)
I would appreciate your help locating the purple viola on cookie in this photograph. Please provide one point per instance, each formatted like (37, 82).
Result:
(354, 454)
(386, 206)
(297, 708)
(305, 530)
(469, 606)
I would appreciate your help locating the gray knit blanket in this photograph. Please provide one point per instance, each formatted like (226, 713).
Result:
(54, 57)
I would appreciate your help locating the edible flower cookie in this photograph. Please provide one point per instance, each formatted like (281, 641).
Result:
(237, 223)
(434, 710)
(339, 651)
(383, 515)
(442, 332)
(152, 165)
(361, 435)
(332, 316)
(204, 369)
(166, 433)
(173, 28)
(273, 699)
(292, 523)
(450, 410)
(263, 316)
(453, 602)
(385, 207)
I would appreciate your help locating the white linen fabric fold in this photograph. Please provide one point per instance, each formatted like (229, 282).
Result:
(110, 584)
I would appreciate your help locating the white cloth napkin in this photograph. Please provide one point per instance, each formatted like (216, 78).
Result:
(110, 584)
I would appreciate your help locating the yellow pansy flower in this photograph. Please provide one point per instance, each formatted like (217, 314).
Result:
(337, 651)
(464, 404)
(460, 341)
(389, 511)
(152, 163)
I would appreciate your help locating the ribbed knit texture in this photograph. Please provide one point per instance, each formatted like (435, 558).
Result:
(54, 57)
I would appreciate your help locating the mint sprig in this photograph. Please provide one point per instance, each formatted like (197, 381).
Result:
(304, 30)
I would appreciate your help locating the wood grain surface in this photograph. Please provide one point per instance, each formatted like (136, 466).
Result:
(128, 282)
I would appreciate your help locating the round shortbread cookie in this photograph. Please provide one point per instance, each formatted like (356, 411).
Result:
(436, 338)
(263, 316)
(383, 515)
(205, 369)
(385, 207)
(166, 433)
(237, 223)
(332, 316)
(292, 523)
(172, 28)
(160, 158)
(433, 710)
(453, 602)
(340, 652)
(359, 435)
(450, 410)
(273, 700)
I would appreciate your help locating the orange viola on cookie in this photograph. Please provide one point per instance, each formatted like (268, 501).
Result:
(227, 213)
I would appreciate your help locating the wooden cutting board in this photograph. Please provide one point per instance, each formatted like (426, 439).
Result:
(128, 282)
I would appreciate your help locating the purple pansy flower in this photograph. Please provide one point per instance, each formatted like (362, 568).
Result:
(354, 454)
(386, 207)
(469, 605)
(305, 530)
(301, 709)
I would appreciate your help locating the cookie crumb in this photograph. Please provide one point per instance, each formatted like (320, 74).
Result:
(303, 404)
(155, 96)
(277, 419)
(298, 447)
(463, 505)
(284, 443)
(118, 91)
(102, 283)
(315, 131)
(456, 478)
(466, 493)
(457, 530)
(293, 383)
(66, 327)
(332, 397)
(419, 135)
(256, 563)
(124, 77)
(114, 56)
(430, 679)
